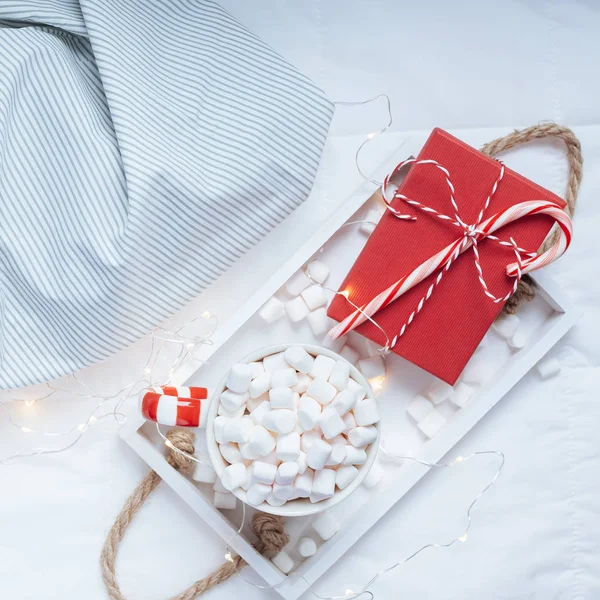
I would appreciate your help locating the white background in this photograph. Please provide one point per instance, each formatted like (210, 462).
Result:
(479, 69)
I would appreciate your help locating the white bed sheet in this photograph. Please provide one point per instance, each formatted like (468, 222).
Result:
(478, 69)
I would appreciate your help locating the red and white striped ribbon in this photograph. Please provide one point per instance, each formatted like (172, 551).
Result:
(471, 235)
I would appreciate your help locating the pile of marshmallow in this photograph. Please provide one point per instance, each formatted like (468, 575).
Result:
(293, 426)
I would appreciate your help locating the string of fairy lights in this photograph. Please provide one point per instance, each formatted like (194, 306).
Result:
(154, 373)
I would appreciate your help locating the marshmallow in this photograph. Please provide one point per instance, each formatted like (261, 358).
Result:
(204, 473)
(362, 436)
(283, 562)
(303, 383)
(308, 439)
(318, 271)
(237, 430)
(322, 367)
(373, 477)
(307, 547)
(357, 388)
(439, 391)
(259, 385)
(301, 462)
(284, 378)
(236, 414)
(248, 452)
(257, 368)
(319, 321)
(261, 441)
(296, 309)
(303, 484)
(275, 501)
(297, 283)
(282, 397)
(517, 341)
(286, 473)
(224, 501)
(258, 414)
(366, 412)
(257, 493)
(345, 475)
(355, 456)
(338, 440)
(419, 408)
(432, 423)
(314, 296)
(323, 485)
(340, 374)
(548, 367)
(326, 525)
(254, 403)
(309, 411)
(233, 401)
(239, 378)
(218, 426)
(233, 476)
(272, 310)
(274, 362)
(338, 454)
(298, 358)
(349, 420)
(263, 472)
(283, 492)
(505, 325)
(372, 367)
(280, 421)
(331, 423)
(349, 354)
(462, 395)
(231, 453)
(370, 221)
(322, 391)
(271, 459)
(318, 454)
(288, 446)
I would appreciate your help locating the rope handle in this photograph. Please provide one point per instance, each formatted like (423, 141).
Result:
(525, 290)
(269, 529)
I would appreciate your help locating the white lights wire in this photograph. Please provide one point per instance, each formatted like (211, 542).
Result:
(365, 591)
(160, 339)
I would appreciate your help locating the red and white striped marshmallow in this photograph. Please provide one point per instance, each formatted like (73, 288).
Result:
(162, 406)
(469, 238)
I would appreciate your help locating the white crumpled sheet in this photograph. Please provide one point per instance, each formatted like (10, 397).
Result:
(478, 69)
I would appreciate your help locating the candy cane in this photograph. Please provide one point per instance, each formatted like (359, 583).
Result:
(444, 258)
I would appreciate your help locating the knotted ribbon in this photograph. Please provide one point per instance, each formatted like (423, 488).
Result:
(470, 235)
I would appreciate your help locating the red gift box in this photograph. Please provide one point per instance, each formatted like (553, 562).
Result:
(443, 337)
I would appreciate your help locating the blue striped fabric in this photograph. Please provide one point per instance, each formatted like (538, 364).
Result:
(145, 146)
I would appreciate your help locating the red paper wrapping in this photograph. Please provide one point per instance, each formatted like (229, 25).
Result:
(445, 334)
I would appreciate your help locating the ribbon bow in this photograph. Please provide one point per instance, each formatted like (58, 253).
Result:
(471, 235)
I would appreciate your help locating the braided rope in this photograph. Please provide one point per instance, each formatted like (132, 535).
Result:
(269, 529)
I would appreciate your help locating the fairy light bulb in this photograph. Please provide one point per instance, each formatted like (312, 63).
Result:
(377, 383)
(92, 419)
(463, 537)
(458, 460)
(189, 345)
(349, 593)
(81, 427)
(29, 402)
(228, 556)
(147, 370)
(26, 430)
(345, 293)
(206, 314)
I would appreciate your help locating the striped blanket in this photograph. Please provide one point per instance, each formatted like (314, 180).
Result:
(144, 146)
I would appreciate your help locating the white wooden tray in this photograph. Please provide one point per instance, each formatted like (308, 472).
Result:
(546, 319)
